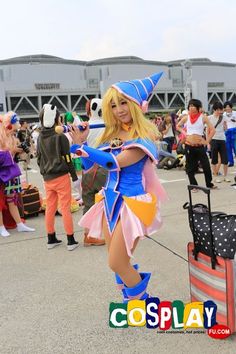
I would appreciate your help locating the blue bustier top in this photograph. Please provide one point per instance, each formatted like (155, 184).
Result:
(129, 178)
(126, 182)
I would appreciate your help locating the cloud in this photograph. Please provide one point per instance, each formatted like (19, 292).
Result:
(197, 39)
(105, 48)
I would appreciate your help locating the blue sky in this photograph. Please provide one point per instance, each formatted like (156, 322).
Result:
(92, 29)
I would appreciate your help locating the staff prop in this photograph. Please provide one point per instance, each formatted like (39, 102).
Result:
(67, 128)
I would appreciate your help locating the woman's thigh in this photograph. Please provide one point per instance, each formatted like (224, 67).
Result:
(116, 243)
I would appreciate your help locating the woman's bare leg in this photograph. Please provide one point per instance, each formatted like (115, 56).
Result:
(118, 259)
(108, 237)
(14, 212)
(225, 170)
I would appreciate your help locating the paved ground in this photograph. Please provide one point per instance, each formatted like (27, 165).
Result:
(57, 301)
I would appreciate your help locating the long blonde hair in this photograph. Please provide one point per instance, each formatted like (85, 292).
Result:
(7, 139)
(141, 127)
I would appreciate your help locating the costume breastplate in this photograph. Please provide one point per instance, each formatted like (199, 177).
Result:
(126, 182)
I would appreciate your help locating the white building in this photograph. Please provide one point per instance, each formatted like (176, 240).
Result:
(26, 83)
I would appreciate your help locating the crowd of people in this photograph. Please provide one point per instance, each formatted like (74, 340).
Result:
(113, 168)
(202, 135)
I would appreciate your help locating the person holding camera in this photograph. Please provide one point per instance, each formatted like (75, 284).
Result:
(168, 132)
(10, 185)
(25, 143)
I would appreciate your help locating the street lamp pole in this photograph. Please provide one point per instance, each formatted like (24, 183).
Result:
(187, 66)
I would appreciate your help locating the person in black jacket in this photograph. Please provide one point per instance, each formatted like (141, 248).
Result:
(54, 160)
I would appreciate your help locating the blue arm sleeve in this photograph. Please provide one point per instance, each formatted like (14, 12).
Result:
(105, 159)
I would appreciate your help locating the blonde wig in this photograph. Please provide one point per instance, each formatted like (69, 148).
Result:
(140, 128)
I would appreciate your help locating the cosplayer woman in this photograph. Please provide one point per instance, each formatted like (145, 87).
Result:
(9, 172)
(127, 208)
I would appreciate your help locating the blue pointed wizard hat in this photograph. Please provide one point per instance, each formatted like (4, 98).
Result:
(138, 90)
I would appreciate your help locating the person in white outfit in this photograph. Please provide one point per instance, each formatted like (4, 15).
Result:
(196, 143)
(218, 144)
(95, 179)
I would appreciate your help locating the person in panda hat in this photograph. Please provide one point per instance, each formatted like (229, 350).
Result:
(54, 160)
(95, 178)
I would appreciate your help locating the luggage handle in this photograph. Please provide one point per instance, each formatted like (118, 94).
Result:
(195, 251)
(27, 187)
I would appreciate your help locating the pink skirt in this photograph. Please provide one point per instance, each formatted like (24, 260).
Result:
(132, 227)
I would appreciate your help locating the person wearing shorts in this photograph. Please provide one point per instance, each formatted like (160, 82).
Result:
(218, 143)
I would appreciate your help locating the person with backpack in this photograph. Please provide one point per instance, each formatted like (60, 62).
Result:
(218, 143)
(56, 167)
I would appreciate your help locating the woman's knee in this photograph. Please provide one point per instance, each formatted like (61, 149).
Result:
(116, 265)
(113, 264)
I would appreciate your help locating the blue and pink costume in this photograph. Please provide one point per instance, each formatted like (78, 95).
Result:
(132, 194)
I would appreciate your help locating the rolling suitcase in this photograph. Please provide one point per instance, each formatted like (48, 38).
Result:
(212, 277)
(31, 200)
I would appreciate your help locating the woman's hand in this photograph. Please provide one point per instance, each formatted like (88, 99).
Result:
(79, 136)
(17, 150)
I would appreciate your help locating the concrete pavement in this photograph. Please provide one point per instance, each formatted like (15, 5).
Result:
(58, 301)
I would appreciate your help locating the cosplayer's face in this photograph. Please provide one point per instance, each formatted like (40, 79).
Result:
(121, 111)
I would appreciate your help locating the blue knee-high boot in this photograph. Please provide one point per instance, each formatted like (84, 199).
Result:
(138, 292)
(120, 284)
